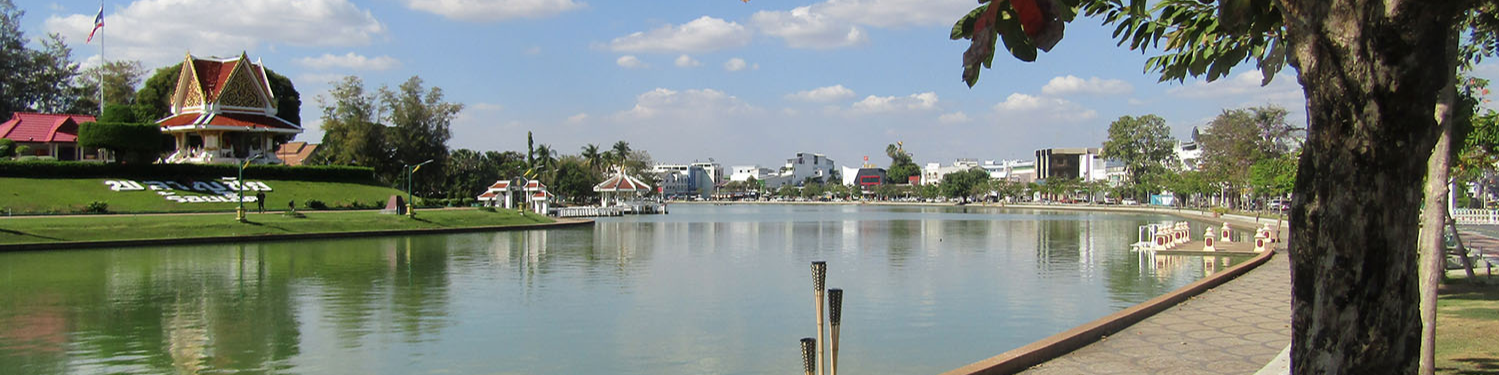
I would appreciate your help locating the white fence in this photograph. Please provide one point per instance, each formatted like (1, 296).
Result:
(1475, 216)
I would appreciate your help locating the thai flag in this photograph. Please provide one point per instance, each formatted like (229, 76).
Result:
(98, 23)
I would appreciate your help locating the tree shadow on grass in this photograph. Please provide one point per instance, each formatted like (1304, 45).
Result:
(24, 234)
(1473, 366)
(250, 222)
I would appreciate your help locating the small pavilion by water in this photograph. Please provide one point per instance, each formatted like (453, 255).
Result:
(618, 187)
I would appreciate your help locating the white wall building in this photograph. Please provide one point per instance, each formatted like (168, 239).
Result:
(1022, 171)
(683, 180)
(934, 172)
(1188, 156)
(715, 171)
(745, 172)
(809, 165)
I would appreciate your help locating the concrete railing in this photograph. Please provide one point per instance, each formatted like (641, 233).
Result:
(1475, 216)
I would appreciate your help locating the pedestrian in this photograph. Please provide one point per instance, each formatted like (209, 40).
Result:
(260, 200)
(292, 204)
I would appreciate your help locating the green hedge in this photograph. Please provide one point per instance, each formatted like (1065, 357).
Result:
(73, 169)
(120, 136)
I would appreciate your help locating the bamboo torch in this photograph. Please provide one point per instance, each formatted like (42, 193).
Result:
(819, 275)
(835, 307)
(809, 355)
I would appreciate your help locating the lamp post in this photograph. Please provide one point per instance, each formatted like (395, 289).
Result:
(411, 172)
(239, 214)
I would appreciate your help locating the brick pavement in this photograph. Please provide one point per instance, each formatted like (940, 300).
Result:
(1236, 328)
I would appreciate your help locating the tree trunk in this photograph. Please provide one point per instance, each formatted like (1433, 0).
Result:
(1432, 248)
(1371, 72)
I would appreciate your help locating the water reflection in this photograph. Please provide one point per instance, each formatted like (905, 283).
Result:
(707, 289)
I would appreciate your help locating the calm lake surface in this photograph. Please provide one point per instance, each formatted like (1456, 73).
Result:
(705, 290)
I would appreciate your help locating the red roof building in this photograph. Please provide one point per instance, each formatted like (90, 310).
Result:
(47, 135)
(296, 153)
(224, 111)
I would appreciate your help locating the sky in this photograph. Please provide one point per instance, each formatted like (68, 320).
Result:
(738, 83)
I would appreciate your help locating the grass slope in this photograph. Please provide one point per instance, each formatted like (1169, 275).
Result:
(1468, 328)
(71, 195)
(137, 227)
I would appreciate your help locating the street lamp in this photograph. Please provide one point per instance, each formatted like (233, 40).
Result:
(240, 213)
(411, 171)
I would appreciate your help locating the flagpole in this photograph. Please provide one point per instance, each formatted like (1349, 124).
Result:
(102, 62)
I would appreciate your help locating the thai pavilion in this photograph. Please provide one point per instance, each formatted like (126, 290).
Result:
(224, 111)
(620, 186)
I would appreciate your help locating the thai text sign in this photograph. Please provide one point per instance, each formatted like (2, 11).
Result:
(223, 191)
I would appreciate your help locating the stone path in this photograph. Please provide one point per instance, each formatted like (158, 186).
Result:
(1236, 328)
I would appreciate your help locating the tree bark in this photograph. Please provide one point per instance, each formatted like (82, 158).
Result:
(1432, 248)
(1371, 72)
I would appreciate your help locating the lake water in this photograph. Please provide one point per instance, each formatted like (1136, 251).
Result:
(705, 290)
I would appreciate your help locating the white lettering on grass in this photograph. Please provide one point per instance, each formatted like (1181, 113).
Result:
(226, 191)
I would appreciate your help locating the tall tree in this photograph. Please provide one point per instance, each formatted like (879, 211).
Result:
(592, 157)
(120, 79)
(33, 80)
(352, 134)
(901, 167)
(420, 121)
(1240, 138)
(1143, 144)
(1371, 72)
(620, 152)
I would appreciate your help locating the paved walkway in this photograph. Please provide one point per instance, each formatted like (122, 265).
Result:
(1236, 328)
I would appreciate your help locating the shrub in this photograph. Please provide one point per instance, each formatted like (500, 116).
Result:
(119, 113)
(96, 207)
(138, 143)
(71, 169)
(486, 209)
(316, 204)
(465, 202)
(7, 148)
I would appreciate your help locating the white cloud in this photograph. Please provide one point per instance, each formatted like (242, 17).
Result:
(802, 28)
(953, 118)
(701, 35)
(631, 62)
(884, 104)
(738, 64)
(158, 31)
(1092, 86)
(350, 61)
(577, 119)
(897, 13)
(822, 94)
(1243, 90)
(487, 107)
(685, 61)
(1023, 106)
(694, 103)
(494, 10)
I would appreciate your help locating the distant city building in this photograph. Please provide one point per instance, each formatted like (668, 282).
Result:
(868, 178)
(1021, 171)
(808, 165)
(1188, 155)
(684, 180)
(745, 172)
(1082, 164)
(934, 172)
(715, 171)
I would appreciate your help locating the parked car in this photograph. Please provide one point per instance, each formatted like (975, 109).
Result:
(1279, 204)
(1129, 202)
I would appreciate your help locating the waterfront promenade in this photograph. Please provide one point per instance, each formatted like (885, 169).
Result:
(1236, 328)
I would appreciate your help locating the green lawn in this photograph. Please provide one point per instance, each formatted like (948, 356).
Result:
(134, 227)
(1468, 328)
(23, 196)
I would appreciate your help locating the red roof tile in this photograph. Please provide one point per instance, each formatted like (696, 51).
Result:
(182, 119)
(37, 127)
(250, 121)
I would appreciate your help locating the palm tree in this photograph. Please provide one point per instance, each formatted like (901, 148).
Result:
(621, 151)
(546, 159)
(592, 157)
